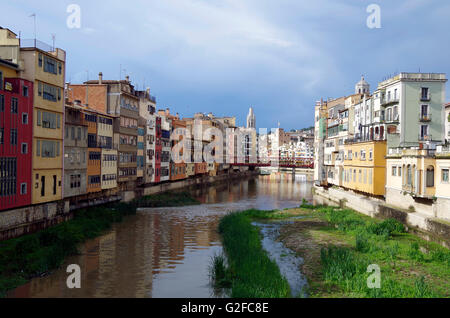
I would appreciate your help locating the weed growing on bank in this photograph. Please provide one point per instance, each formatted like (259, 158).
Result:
(406, 270)
(36, 254)
(410, 266)
(250, 272)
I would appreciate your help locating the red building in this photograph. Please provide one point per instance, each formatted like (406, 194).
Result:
(16, 132)
(158, 150)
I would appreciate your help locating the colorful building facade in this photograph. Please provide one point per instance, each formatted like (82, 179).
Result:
(16, 123)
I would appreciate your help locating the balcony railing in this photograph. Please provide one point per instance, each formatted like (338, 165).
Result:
(103, 146)
(387, 101)
(33, 43)
(424, 117)
(425, 98)
(425, 137)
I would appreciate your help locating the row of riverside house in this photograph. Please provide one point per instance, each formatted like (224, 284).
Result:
(83, 143)
(391, 144)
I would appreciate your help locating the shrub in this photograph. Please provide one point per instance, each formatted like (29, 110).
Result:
(362, 243)
(414, 252)
(386, 228)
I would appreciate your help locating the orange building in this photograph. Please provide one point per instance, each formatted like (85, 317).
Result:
(94, 167)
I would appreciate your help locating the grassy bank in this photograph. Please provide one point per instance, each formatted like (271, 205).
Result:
(249, 271)
(338, 245)
(36, 254)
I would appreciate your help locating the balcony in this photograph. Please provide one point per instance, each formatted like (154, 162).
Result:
(425, 98)
(389, 101)
(424, 118)
(425, 137)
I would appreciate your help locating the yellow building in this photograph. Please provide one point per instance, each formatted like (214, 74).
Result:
(443, 184)
(45, 67)
(412, 171)
(105, 137)
(365, 167)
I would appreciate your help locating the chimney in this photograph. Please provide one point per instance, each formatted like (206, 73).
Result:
(148, 90)
(167, 111)
(100, 78)
(127, 78)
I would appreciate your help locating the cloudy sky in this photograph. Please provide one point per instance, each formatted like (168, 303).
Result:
(223, 56)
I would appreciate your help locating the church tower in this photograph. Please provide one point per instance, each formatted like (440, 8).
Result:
(251, 121)
(362, 87)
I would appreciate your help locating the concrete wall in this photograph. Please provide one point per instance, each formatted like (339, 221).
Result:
(17, 222)
(424, 224)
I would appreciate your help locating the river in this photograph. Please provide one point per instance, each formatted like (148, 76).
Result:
(166, 252)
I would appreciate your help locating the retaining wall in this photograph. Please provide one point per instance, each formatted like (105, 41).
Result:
(421, 224)
(17, 222)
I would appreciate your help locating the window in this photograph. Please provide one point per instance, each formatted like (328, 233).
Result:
(445, 175)
(24, 118)
(95, 156)
(14, 105)
(2, 139)
(399, 171)
(2, 103)
(42, 186)
(25, 91)
(409, 175)
(24, 148)
(38, 148)
(38, 118)
(51, 93)
(50, 65)
(54, 185)
(370, 154)
(49, 149)
(423, 131)
(49, 120)
(395, 113)
(1, 80)
(14, 136)
(8, 175)
(23, 188)
(40, 59)
(430, 177)
(425, 93)
(394, 171)
(424, 111)
(75, 181)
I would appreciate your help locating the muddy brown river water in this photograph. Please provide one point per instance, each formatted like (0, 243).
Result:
(166, 252)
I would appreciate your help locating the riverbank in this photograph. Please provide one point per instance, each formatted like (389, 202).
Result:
(337, 246)
(37, 254)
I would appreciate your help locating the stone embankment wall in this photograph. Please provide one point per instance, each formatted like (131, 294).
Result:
(17, 222)
(419, 223)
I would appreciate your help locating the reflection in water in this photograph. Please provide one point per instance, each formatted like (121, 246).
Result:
(166, 252)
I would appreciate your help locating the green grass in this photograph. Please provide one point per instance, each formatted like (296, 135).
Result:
(410, 266)
(35, 254)
(250, 272)
(386, 244)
